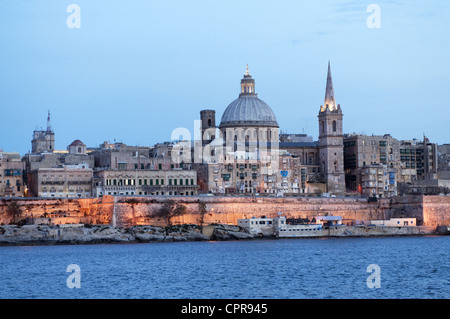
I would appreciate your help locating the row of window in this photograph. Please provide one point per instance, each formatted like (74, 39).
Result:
(151, 182)
(410, 151)
(13, 172)
(155, 193)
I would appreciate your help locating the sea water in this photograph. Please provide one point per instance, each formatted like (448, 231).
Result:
(355, 268)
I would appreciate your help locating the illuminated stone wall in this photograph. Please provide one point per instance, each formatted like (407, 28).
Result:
(127, 211)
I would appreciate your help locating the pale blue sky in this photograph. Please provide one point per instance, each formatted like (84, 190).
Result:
(136, 70)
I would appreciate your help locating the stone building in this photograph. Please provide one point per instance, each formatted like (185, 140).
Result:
(365, 150)
(121, 156)
(409, 160)
(43, 140)
(378, 180)
(242, 157)
(444, 161)
(75, 156)
(419, 160)
(249, 151)
(69, 181)
(12, 171)
(145, 182)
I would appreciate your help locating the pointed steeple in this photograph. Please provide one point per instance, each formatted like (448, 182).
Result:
(330, 102)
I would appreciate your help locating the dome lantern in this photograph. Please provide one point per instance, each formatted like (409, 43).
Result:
(248, 110)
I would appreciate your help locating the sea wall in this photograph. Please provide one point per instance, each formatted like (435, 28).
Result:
(428, 210)
(227, 210)
(102, 234)
(125, 212)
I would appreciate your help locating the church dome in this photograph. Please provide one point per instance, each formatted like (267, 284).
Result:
(248, 109)
(77, 143)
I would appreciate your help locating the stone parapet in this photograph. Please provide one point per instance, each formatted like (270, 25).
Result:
(128, 211)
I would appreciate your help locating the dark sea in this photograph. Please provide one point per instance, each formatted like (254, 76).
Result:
(333, 268)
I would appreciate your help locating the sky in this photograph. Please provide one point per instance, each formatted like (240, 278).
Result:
(136, 70)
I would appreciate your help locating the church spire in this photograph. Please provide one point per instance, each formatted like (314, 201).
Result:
(330, 102)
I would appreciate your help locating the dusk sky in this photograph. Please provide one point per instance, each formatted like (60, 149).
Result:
(136, 70)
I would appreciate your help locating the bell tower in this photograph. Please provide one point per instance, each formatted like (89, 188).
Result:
(208, 119)
(331, 141)
(44, 140)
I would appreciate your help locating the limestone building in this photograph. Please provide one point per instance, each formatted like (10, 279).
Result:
(409, 160)
(248, 153)
(43, 140)
(378, 180)
(12, 171)
(145, 182)
(69, 181)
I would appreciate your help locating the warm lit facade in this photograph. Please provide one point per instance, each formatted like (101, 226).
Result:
(145, 182)
(70, 181)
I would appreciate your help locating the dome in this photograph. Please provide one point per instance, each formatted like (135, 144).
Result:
(77, 143)
(248, 109)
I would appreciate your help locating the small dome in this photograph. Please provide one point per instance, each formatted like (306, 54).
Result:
(77, 143)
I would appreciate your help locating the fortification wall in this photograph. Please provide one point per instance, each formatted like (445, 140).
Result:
(227, 210)
(127, 211)
(429, 210)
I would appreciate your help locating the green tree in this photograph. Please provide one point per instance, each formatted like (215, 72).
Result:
(14, 211)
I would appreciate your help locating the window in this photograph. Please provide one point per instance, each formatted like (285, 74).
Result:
(334, 126)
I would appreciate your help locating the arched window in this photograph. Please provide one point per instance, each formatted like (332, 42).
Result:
(209, 122)
(334, 126)
(79, 149)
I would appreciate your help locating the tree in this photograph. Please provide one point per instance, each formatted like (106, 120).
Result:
(14, 211)
(202, 211)
(169, 210)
